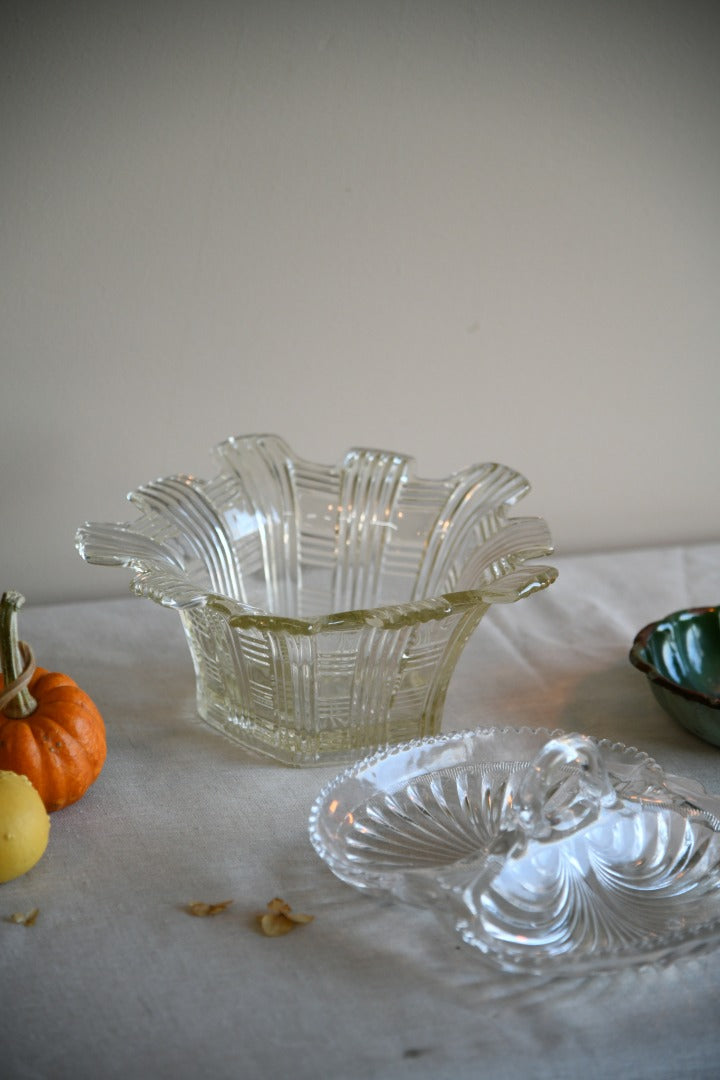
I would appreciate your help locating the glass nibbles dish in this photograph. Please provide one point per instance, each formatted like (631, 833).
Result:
(551, 854)
(680, 654)
(325, 607)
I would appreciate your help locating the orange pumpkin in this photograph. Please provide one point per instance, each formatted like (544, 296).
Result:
(50, 730)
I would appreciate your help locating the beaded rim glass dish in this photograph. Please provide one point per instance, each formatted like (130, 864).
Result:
(325, 607)
(549, 854)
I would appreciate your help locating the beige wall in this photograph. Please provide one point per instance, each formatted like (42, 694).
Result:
(470, 231)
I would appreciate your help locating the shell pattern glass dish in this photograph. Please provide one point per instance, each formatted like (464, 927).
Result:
(551, 854)
(325, 607)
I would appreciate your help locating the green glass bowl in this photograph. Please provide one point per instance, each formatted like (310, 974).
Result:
(680, 655)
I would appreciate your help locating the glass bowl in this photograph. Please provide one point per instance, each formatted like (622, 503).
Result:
(325, 607)
(549, 854)
(680, 655)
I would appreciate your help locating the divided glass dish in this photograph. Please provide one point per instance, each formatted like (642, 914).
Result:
(325, 607)
(550, 854)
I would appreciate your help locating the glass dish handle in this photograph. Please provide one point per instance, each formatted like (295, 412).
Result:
(564, 790)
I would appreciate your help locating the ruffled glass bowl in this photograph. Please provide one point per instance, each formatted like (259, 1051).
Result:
(549, 854)
(325, 607)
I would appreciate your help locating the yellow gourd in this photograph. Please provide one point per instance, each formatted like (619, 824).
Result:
(24, 826)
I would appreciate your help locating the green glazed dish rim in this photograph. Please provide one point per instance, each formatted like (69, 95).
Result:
(639, 656)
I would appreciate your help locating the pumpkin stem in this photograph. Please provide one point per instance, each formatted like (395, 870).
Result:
(11, 660)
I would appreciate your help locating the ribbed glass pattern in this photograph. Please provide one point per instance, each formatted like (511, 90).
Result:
(325, 606)
(577, 856)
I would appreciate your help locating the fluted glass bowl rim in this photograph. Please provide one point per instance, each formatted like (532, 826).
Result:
(175, 590)
(639, 657)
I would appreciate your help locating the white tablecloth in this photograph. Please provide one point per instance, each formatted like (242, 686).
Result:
(115, 979)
